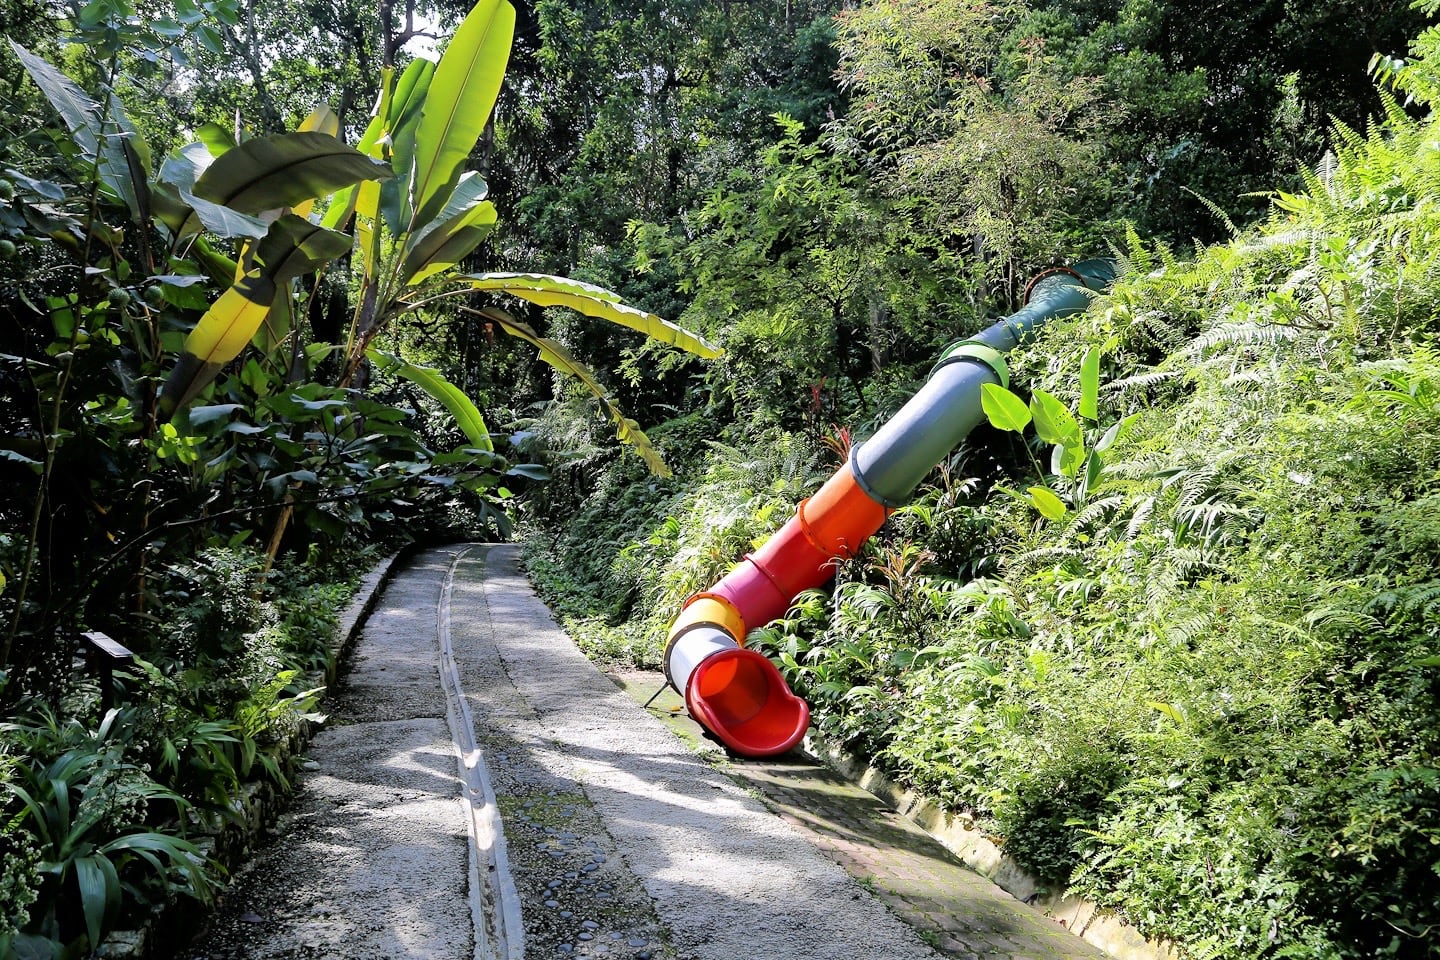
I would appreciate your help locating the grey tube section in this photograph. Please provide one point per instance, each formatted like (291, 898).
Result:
(891, 464)
(692, 647)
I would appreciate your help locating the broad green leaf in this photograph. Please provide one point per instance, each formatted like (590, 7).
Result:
(1003, 409)
(217, 266)
(468, 192)
(321, 120)
(376, 131)
(341, 208)
(228, 325)
(189, 213)
(1175, 713)
(220, 220)
(342, 204)
(15, 456)
(592, 301)
(316, 352)
(216, 138)
(367, 226)
(100, 134)
(275, 328)
(283, 170)
(1114, 432)
(555, 354)
(80, 113)
(458, 104)
(203, 416)
(169, 209)
(1090, 385)
(449, 243)
(134, 184)
(99, 888)
(217, 339)
(452, 398)
(466, 220)
(402, 118)
(1094, 470)
(294, 246)
(1067, 460)
(1053, 422)
(1050, 506)
(531, 471)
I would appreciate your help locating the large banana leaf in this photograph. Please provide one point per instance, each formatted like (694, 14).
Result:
(342, 204)
(367, 225)
(220, 268)
(277, 324)
(188, 214)
(321, 120)
(216, 138)
(224, 330)
(403, 117)
(458, 104)
(555, 354)
(592, 301)
(466, 220)
(283, 170)
(452, 398)
(295, 246)
(101, 136)
(292, 247)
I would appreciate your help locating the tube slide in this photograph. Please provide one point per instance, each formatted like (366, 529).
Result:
(737, 694)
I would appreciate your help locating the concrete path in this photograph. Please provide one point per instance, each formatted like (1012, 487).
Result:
(483, 791)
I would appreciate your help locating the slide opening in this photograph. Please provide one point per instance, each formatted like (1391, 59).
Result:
(740, 697)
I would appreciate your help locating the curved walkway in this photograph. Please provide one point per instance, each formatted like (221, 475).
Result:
(538, 811)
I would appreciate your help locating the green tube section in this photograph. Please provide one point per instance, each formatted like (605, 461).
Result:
(891, 464)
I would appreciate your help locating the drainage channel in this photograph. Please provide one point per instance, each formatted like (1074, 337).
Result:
(494, 901)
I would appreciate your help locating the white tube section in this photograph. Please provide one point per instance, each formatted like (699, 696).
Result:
(690, 648)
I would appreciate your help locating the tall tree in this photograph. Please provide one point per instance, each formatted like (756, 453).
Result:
(1218, 97)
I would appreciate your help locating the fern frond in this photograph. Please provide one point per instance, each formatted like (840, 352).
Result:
(1246, 334)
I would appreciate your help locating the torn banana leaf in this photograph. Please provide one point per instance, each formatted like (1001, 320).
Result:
(555, 354)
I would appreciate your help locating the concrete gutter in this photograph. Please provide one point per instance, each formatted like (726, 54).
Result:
(960, 835)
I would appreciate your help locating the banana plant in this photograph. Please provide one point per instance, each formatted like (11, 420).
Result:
(413, 229)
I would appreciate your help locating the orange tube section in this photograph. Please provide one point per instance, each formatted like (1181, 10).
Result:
(833, 523)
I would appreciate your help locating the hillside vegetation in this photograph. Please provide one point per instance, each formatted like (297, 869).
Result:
(1208, 695)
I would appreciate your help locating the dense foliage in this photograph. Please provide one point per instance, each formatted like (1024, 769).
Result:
(216, 396)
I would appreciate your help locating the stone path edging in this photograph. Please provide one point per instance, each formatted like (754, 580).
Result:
(353, 617)
(958, 835)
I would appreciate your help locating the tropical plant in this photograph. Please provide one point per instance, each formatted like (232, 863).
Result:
(88, 811)
(1079, 468)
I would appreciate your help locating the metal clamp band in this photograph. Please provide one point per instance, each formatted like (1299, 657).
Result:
(886, 502)
(975, 350)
